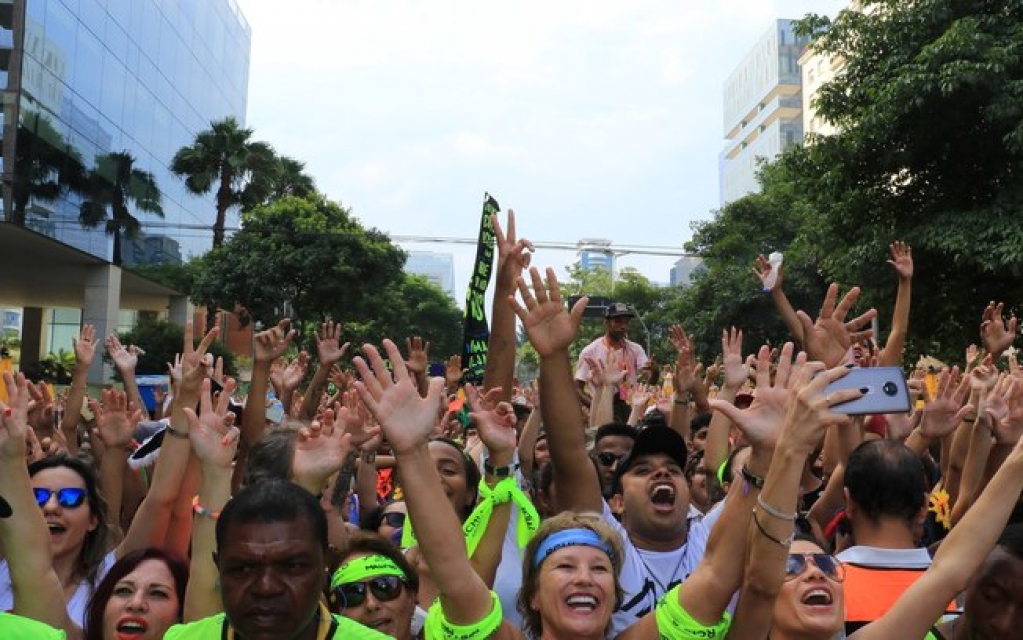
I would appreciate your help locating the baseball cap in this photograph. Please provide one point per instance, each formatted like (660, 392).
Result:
(654, 440)
(619, 310)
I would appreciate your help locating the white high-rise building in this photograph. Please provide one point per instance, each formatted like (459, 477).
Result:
(438, 268)
(763, 107)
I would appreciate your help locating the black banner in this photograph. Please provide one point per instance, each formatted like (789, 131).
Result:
(477, 333)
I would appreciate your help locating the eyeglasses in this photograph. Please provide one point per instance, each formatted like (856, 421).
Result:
(829, 565)
(69, 498)
(383, 588)
(394, 519)
(607, 458)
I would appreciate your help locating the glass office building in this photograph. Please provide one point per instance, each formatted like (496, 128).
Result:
(94, 87)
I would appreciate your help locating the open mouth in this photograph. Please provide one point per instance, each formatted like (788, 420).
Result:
(663, 497)
(817, 598)
(131, 628)
(55, 528)
(582, 603)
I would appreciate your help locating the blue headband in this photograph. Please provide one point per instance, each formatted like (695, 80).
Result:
(570, 538)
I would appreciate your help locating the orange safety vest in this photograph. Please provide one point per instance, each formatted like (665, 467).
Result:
(870, 591)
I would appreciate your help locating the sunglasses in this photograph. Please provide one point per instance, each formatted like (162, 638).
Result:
(607, 458)
(383, 588)
(69, 498)
(393, 519)
(829, 565)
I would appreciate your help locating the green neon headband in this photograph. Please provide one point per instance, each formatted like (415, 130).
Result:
(365, 567)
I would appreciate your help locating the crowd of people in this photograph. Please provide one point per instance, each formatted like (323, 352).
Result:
(610, 498)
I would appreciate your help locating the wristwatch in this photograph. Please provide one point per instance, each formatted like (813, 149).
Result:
(501, 472)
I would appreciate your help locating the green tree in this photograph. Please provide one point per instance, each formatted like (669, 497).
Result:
(287, 179)
(303, 257)
(411, 306)
(930, 106)
(161, 340)
(225, 159)
(651, 303)
(114, 185)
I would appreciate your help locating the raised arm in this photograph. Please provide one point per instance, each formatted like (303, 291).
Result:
(330, 351)
(551, 329)
(763, 270)
(717, 447)
(407, 420)
(773, 522)
(37, 590)
(126, 359)
(513, 255)
(997, 334)
(267, 346)
(902, 262)
(215, 441)
(85, 351)
(151, 521)
(958, 558)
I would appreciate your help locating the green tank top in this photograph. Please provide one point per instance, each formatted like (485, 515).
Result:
(215, 628)
(14, 627)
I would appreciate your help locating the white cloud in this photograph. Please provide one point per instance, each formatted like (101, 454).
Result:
(596, 118)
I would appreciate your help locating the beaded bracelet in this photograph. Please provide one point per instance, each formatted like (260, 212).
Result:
(203, 511)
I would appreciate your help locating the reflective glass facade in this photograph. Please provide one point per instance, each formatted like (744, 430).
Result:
(108, 91)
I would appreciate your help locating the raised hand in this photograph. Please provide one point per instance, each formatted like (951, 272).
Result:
(418, 358)
(1012, 423)
(762, 270)
(406, 417)
(902, 259)
(453, 371)
(115, 420)
(829, 338)
(735, 367)
(126, 359)
(996, 334)
(85, 346)
(762, 422)
(942, 413)
(40, 407)
(809, 412)
(272, 343)
(640, 396)
(14, 429)
(194, 363)
(972, 357)
(513, 254)
(685, 368)
(212, 432)
(495, 420)
(174, 371)
(320, 451)
(353, 418)
(291, 376)
(550, 328)
(608, 373)
(328, 344)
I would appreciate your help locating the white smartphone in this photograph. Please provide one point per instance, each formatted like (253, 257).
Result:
(885, 391)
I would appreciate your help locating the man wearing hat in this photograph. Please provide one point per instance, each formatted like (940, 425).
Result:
(632, 356)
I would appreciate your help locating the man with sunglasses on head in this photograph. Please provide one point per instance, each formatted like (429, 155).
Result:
(632, 357)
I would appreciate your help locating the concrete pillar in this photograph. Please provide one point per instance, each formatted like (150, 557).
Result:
(102, 305)
(180, 310)
(33, 335)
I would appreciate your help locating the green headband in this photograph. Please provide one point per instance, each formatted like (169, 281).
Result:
(365, 567)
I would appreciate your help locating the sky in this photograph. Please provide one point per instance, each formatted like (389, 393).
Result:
(589, 118)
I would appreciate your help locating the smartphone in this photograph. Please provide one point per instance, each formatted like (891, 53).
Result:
(887, 391)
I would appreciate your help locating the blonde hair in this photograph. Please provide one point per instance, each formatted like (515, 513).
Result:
(531, 622)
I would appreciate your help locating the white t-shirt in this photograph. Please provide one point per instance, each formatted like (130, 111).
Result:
(648, 575)
(508, 579)
(75, 606)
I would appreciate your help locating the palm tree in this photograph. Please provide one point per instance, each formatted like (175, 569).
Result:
(113, 184)
(288, 179)
(225, 158)
(46, 166)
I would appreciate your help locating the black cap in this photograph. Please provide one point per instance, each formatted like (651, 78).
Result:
(653, 440)
(619, 310)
